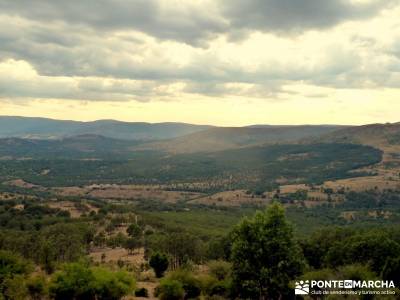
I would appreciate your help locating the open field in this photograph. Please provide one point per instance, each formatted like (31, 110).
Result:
(113, 255)
(359, 184)
(232, 198)
(72, 207)
(127, 192)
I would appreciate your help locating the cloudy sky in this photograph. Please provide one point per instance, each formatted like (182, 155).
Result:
(223, 62)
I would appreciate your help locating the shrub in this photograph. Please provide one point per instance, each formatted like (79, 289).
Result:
(37, 287)
(74, 281)
(77, 281)
(15, 288)
(170, 289)
(112, 285)
(142, 292)
(219, 269)
(190, 284)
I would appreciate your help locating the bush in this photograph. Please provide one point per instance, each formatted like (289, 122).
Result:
(13, 268)
(219, 269)
(190, 284)
(37, 287)
(391, 270)
(112, 285)
(77, 281)
(219, 288)
(11, 264)
(207, 282)
(15, 288)
(142, 292)
(170, 289)
(74, 281)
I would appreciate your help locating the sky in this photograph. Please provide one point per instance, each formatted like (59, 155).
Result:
(220, 62)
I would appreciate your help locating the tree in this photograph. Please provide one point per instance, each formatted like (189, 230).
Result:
(12, 271)
(265, 257)
(131, 244)
(11, 265)
(183, 247)
(159, 262)
(134, 230)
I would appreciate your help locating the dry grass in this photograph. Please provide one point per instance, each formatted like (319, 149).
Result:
(114, 255)
(22, 184)
(230, 198)
(70, 207)
(292, 188)
(128, 192)
(359, 184)
(349, 215)
(19, 207)
(7, 196)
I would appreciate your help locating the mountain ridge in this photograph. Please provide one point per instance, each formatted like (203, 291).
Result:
(44, 128)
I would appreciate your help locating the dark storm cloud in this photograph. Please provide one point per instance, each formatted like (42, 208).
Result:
(286, 16)
(194, 24)
(185, 23)
(104, 39)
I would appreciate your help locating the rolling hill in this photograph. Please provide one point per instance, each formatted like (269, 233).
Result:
(223, 138)
(70, 162)
(378, 135)
(42, 128)
(215, 157)
(86, 146)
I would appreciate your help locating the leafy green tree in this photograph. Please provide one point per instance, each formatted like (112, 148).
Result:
(183, 247)
(63, 243)
(12, 264)
(12, 271)
(134, 230)
(159, 263)
(131, 244)
(370, 247)
(265, 257)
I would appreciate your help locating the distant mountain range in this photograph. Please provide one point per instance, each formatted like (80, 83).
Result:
(51, 152)
(224, 138)
(109, 136)
(42, 128)
(373, 134)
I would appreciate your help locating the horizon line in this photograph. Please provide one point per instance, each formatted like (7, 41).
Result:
(196, 124)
